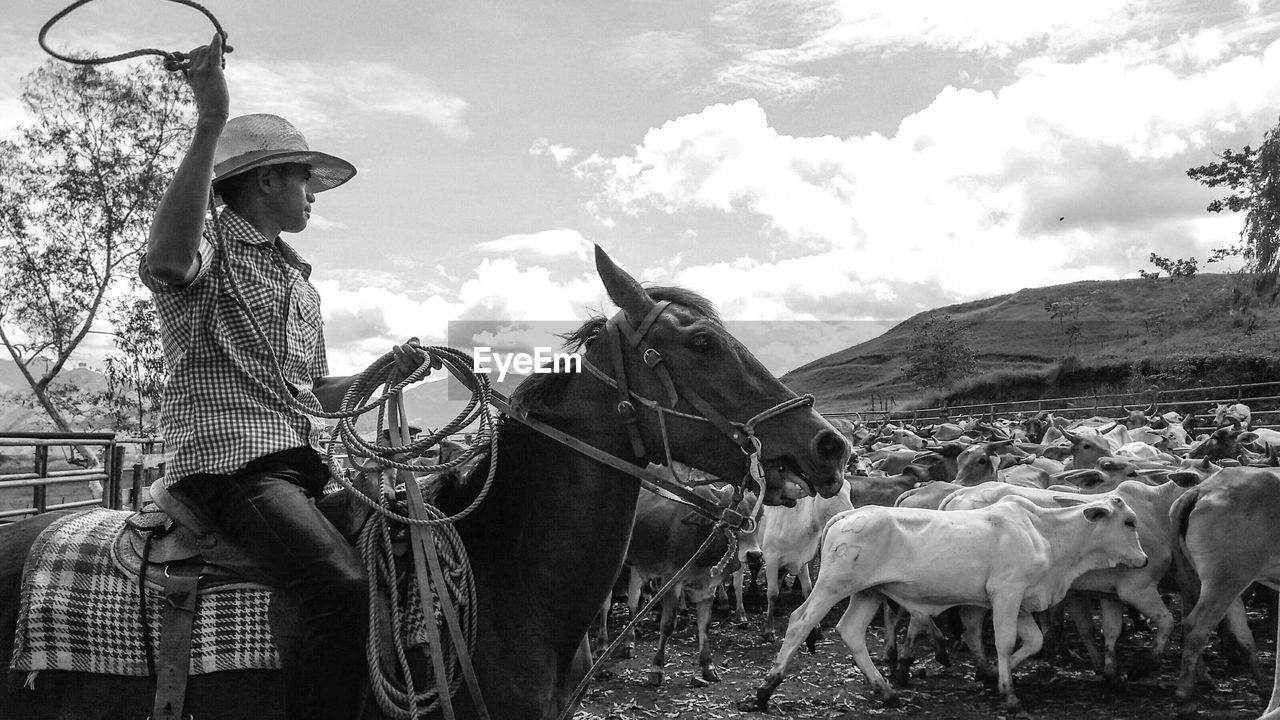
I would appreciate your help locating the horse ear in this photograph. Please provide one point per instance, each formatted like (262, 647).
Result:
(623, 289)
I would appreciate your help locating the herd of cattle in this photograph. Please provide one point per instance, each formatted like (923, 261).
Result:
(1017, 519)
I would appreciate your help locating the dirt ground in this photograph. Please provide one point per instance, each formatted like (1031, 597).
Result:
(828, 685)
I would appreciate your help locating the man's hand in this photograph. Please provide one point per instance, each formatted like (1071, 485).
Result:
(208, 84)
(409, 356)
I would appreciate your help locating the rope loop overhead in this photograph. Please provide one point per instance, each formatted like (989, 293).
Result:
(173, 60)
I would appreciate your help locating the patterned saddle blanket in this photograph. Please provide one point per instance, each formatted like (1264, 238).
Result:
(81, 606)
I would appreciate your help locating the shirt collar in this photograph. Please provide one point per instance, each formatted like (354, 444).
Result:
(240, 230)
(237, 228)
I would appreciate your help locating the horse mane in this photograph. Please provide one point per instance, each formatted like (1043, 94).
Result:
(540, 393)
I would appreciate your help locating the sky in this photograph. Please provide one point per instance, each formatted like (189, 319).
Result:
(820, 169)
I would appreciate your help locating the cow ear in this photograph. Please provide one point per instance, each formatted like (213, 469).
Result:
(1184, 478)
(1247, 437)
(1089, 478)
(1094, 513)
(1068, 501)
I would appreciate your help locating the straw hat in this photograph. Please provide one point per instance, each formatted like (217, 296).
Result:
(251, 141)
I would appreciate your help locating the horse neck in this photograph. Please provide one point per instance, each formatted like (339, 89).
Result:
(556, 523)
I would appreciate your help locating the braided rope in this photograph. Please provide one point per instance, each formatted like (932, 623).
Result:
(398, 698)
(173, 61)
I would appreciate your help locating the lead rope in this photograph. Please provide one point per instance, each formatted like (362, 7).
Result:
(576, 696)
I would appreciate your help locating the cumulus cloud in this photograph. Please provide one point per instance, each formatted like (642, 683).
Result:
(789, 49)
(365, 317)
(1067, 173)
(561, 154)
(558, 243)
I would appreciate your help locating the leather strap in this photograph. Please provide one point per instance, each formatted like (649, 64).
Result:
(181, 593)
(636, 336)
(649, 481)
(626, 409)
(420, 541)
(143, 617)
(427, 570)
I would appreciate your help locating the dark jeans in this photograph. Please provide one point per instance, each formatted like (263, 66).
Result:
(268, 509)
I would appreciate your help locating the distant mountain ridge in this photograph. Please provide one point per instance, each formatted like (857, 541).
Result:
(1121, 322)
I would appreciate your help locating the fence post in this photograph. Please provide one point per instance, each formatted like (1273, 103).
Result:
(40, 493)
(117, 477)
(135, 494)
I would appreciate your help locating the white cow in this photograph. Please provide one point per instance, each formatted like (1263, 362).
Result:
(789, 538)
(1226, 413)
(1013, 557)
(1137, 587)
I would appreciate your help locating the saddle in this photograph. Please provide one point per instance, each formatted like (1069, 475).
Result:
(166, 537)
(151, 547)
(168, 547)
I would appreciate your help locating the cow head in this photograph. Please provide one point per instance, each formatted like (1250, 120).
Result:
(978, 463)
(1224, 443)
(1224, 413)
(1115, 530)
(1087, 450)
(1136, 418)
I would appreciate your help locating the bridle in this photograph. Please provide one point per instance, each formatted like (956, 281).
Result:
(619, 333)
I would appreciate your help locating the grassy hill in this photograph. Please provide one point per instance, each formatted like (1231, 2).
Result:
(1133, 335)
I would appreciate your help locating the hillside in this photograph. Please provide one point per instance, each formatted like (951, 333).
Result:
(1132, 332)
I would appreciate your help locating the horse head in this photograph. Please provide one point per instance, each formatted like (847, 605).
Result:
(704, 398)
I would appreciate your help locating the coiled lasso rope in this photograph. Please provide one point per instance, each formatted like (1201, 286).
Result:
(398, 698)
(173, 60)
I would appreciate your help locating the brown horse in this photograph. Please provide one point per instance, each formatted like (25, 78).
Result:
(549, 540)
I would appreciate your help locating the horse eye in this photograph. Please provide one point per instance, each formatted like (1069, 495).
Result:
(700, 342)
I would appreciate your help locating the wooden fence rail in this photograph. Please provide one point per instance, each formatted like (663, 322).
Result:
(26, 492)
(1262, 398)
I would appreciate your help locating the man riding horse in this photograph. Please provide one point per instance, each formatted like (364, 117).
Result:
(239, 318)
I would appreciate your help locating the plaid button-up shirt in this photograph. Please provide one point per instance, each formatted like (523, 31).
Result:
(222, 405)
